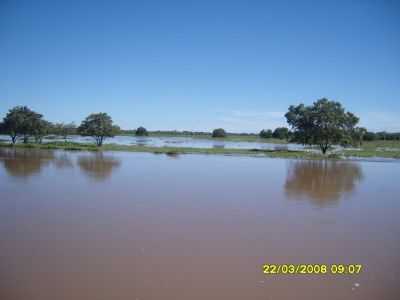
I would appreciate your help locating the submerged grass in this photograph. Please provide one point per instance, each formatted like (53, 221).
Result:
(55, 145)
(368, 152)
(228, 138)
(70, 146)
(371, 153)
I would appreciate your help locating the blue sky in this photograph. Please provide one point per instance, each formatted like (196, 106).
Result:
(199, 65)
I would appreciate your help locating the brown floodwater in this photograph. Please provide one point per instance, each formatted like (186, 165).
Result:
(76, 225)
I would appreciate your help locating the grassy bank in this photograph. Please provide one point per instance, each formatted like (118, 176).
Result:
(381, 144)
(69, 146)
(365, 153)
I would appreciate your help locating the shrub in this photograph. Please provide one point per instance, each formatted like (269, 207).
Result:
(218, 133)
(141, 131)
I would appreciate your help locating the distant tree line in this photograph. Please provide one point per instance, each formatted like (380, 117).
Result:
(381, 135)
(324, 123)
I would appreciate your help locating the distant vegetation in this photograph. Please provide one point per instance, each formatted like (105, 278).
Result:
(382, 135)
(64, 130)
(141, 131)
(219, 133)
(281, 133)
(266, 134)
(324, 123)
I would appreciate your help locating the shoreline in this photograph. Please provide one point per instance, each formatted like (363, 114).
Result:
(173, 151)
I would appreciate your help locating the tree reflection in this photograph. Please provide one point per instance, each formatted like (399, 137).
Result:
(323, 182)
(98, 166)
(218, 146)
(25, 162)
(21, 162)
(63, 161)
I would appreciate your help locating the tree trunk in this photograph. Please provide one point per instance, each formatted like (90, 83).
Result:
(25, 139)
(99, 141)
(323, 148)
(13, 139)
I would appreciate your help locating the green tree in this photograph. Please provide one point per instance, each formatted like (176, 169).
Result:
(357, 135)
(21, 121)
(40, 128)
(141, 131)
(281, 133)
(218, 133)
(266, 134)
(99, 126)
(324, 123)
(382, 135)
(300, 117)
(369, 136)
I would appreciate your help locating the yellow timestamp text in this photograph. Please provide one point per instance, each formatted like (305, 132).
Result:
(340, 269)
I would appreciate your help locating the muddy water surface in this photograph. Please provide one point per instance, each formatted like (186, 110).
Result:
(79, 225)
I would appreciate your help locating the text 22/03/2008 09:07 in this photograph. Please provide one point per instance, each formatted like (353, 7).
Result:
(345, 269)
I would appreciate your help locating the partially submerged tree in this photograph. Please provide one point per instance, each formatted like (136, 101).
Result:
(141, 131)
(40, 128)
(99, 126)
(324, 123)
(218, 133)
(21, 121)
(266, 134)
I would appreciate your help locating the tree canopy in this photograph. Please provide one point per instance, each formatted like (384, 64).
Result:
(218, 133)
(99, 126)
(266, 133)
(324, 123)
(281, 133)
(22, 121)
(40, 128)
(141, 131)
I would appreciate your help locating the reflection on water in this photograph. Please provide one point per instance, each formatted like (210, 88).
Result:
(323, 182)
(172, 141)
(140, 142)
(193, 227)
(172, 154)
(62, 161)
(281, 148)
(98, 166)
(20, 162)
(218, 146)
(25, 162)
